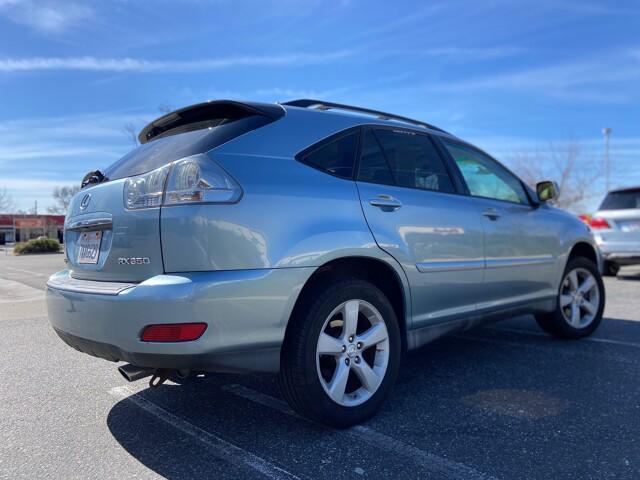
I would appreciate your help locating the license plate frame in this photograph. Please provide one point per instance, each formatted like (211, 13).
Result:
(89, 243)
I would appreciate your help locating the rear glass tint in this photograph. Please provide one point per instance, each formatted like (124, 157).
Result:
(160, 151)
(621, 200)
(414, 160)
(336, 156)
(373, 164)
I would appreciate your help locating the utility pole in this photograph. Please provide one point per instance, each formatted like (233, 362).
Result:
(607, 164)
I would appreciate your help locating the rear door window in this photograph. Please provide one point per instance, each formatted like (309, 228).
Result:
(403, 158)
(335, 156)
(374, 167)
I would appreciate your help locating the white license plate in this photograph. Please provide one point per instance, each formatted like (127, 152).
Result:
(630, 227)
(89, 246)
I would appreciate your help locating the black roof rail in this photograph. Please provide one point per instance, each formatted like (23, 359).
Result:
(322, 105)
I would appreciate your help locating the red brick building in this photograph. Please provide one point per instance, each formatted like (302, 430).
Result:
(20, 228)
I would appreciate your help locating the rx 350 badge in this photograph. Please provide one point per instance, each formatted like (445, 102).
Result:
(134, 261)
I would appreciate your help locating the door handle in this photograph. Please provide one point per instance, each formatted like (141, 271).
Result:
(385, 202)
(491, 213)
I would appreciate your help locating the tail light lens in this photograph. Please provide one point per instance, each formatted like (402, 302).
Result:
(173, 332)
(196, 179)
(599, 223)
(145, 191)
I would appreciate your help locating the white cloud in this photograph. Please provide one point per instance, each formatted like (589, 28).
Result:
(45, 16)
(31, 184)
(588, 81)
(143, 66)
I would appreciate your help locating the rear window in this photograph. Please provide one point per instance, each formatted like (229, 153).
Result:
(335, 156)
(621, 200)
(162, 150)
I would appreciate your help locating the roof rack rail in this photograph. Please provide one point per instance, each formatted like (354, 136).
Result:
(322, 105)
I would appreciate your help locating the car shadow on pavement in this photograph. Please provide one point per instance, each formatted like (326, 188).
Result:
(497, 391)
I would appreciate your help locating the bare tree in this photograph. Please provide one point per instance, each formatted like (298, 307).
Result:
(575, 174)
(62, 196)
(6, 201)
(131, 132)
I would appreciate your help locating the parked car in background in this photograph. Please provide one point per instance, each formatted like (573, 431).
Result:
(616, 227)
(312, 239)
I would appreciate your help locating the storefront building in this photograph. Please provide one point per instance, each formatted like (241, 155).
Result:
(20, 228)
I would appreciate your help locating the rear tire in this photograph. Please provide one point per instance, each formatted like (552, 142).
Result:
(580, 302)
(340, 372)
(611, 269)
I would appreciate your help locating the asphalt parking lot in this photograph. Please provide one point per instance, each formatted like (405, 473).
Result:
(502, 402)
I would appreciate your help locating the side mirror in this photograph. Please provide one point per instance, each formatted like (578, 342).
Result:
(547, 191)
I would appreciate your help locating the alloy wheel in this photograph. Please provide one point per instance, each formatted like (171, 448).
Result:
(352, 353)
(579, 298)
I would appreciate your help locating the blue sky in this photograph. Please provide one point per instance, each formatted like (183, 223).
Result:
(513, 77)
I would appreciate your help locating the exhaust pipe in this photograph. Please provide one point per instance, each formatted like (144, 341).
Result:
(133, 373)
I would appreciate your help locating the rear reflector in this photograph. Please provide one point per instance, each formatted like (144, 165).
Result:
(173, 332)
(597, 223)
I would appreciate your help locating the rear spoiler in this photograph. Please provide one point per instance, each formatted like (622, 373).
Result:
(207, 112)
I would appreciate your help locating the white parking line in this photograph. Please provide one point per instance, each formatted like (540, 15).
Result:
(221, 448)
(587, 339)
(429, 461)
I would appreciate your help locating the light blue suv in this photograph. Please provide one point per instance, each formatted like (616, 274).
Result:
(313, 239)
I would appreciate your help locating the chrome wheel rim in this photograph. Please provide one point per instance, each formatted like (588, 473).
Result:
(579, 298)
(352, 353)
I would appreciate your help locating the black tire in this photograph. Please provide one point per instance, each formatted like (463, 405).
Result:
(298, 377)
(555, 323)
(611, 269)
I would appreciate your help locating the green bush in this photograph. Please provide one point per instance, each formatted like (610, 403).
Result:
(37, 245)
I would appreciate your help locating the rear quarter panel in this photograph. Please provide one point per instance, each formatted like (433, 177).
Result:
(290, 215)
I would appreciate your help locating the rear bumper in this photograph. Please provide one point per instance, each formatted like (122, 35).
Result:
(622, 253)
(246, 311)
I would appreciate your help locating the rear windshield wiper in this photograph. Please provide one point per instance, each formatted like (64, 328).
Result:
(91, 178)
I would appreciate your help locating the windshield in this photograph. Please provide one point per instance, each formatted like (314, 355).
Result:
(621, 200)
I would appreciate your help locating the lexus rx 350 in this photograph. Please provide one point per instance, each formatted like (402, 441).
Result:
(313, 239)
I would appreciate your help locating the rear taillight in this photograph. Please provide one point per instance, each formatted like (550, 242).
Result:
(173, 332)
(196, 179)
(599, 223)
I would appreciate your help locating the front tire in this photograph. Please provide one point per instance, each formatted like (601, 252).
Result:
(341, 353)
(580, 302)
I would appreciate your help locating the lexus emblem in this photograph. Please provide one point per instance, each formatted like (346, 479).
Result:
(85, 201)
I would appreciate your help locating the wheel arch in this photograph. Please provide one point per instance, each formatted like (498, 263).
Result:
(585, 250)
(389, 278)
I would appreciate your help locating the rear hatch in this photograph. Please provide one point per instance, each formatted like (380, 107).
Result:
(104, 241)
(618, 220)
(107, 239)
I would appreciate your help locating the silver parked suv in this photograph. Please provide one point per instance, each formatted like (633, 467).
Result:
(312, 239)
(616, 227)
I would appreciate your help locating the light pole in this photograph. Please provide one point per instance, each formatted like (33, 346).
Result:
(606, 132)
